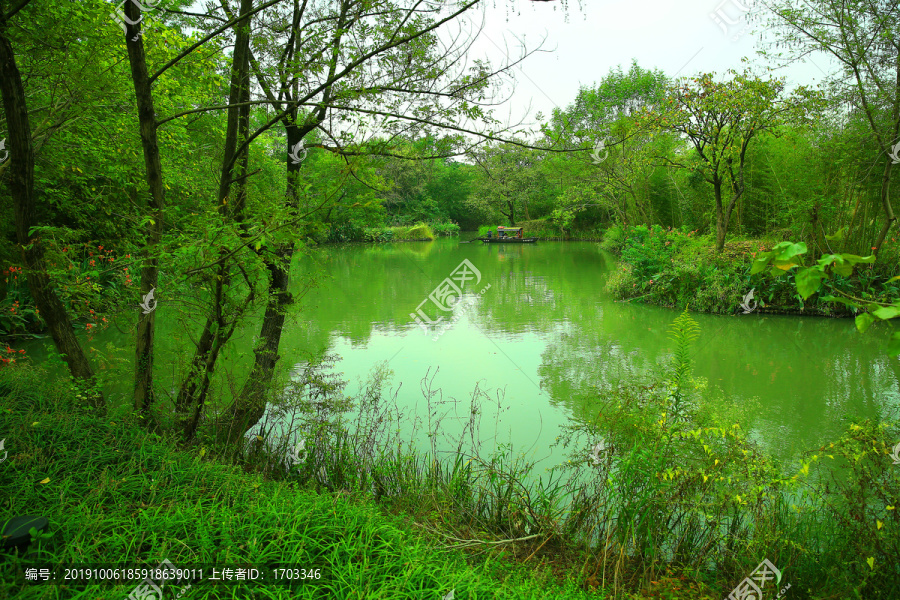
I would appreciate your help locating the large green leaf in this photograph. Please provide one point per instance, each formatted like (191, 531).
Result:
(758, 265)
(809, 280)
(863, 321)
(787, 250)
(838, 236)
(842, 268)
(887, 312)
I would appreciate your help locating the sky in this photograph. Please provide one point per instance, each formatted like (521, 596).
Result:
(680, 38)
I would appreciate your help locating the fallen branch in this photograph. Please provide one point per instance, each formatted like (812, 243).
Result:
(467, 543)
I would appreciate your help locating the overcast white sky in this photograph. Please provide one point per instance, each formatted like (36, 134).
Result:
(677, 37)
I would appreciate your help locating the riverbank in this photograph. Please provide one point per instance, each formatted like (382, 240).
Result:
(545, 230)
(679, 507)
(675, 269)
(115, 494)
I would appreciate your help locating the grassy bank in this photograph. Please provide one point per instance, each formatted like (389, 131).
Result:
(662, 495)
(356, 232)
(679, 269)
(116, 494)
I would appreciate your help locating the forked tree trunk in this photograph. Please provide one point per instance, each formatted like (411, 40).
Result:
(192, 396)
(250, 405)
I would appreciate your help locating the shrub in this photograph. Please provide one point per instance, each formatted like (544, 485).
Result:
(445, 229)
(613, 239)
(350, 231)
(379, 234)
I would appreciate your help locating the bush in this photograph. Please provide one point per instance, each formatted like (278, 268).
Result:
(378, 234)
(613, 239)
(445, 229)
(672, 268)
(350, 231)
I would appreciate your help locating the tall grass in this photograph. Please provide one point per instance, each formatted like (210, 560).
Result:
(419, 231)
(662, 495)
(115, 494)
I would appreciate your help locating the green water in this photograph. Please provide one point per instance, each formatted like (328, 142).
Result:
(542, 333)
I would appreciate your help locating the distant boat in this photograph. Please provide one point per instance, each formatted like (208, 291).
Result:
(509, 240)
(508, 235)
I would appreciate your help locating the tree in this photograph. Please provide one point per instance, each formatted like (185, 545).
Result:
(617, 175)
(864, 36)
(25, 199)
(323, 66)
(332, 66)
(509, 180)
(720, 120)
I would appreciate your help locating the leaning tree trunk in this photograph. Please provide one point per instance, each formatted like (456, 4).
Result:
(24, 201)
(146, 326)
(194, 390)
(250, 405)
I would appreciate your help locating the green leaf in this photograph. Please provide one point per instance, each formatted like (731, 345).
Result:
(863, 321)
(838, 236)
(853, 259)
(758, 265)
(809, 280)
(887, 312)
(788, 250)
(842, 268)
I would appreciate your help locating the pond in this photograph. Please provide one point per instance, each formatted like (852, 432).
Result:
(535, 329)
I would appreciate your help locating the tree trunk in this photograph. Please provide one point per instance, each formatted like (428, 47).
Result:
(250, 405)
(721, 222)
(24, 201)
(146, 326)
(886, 204)
(192, 395)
